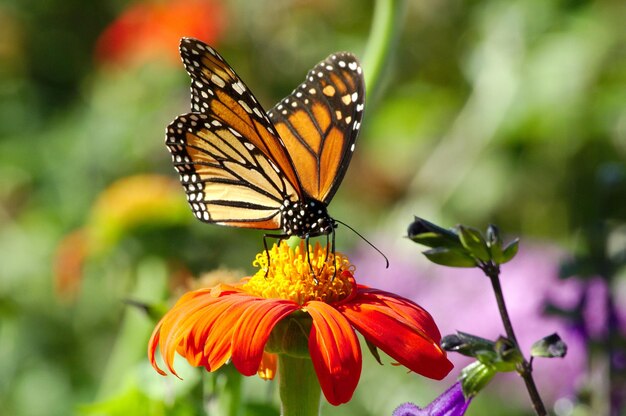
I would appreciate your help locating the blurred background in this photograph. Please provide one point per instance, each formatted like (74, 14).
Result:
(510, 112)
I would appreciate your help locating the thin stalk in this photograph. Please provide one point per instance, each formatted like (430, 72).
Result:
(524, 369)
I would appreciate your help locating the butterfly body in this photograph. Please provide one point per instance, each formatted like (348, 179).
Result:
(244, 167)
(304, 219)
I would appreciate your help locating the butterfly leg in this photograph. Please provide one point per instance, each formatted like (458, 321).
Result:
(308, 256)
(278, 237)
(332, 248)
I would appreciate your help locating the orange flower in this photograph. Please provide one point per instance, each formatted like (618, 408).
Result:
(211, 326)
(152, 29)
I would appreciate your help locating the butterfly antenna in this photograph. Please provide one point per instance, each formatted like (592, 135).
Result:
(365, 239)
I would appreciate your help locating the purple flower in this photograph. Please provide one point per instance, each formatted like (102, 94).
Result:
(462, 299)
(452, 402)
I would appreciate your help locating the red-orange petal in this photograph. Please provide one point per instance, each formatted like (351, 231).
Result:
(335, 351)
(400, 328)
(269, 363)
(199, 327)
(411, 312)
(253, 329)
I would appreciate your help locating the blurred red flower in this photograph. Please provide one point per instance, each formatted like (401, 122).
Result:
(152, 29)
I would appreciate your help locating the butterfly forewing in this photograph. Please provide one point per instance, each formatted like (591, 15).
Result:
(217, 90)
(319, 123)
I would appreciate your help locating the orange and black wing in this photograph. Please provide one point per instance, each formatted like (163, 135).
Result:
(231, 161)
(319, 121)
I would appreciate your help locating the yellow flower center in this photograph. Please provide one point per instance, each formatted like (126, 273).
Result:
(291, 275)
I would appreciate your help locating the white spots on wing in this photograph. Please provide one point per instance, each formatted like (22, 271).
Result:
(342, 64)
(245, 106)
(352, 147)
(239, 87)
(352, 66)
(217, 80)
(204, 94)
(320, 74)
(205, 215)
(258, 112)
(348, 120)
(359, 107)
(359, 71)
(216, 123)
(312, 91)
(329, 67)
(355, 96)
(234, 132)
(249, 145)
(294, 104)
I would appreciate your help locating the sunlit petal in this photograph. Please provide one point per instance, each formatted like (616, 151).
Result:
(267, 369)
(401, 329)
(253, 329)
(335, 352)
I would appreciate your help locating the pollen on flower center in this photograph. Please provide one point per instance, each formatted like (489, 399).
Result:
(289, 275)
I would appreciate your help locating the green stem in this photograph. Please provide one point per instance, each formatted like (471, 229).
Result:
(222, 392)
(385, 27)
(299, 389)
(523, 369)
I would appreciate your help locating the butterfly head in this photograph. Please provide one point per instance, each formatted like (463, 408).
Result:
(307, 218)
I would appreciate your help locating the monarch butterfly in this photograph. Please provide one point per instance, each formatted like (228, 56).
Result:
(243, 167)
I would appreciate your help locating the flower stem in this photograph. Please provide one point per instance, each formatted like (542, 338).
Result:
(385, 27)
(299, 389)
(524, 369)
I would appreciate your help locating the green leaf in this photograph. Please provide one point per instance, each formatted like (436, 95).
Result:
(431, 235)
(550, 346)
(474, 242)
(475, 377)
(508, 355)
(467, 344)
(449, 257)
(510, 251)
(493, 236)
(374, 351)
(494, 243)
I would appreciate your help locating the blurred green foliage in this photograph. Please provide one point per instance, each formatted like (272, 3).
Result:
(510, 112)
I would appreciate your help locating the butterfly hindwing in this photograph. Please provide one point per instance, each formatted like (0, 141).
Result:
(319, 123)
(227, 180)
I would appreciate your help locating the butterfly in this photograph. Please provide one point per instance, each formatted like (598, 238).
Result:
(244, 167)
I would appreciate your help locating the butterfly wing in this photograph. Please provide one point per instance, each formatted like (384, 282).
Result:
(231, 161)
(319, 123)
